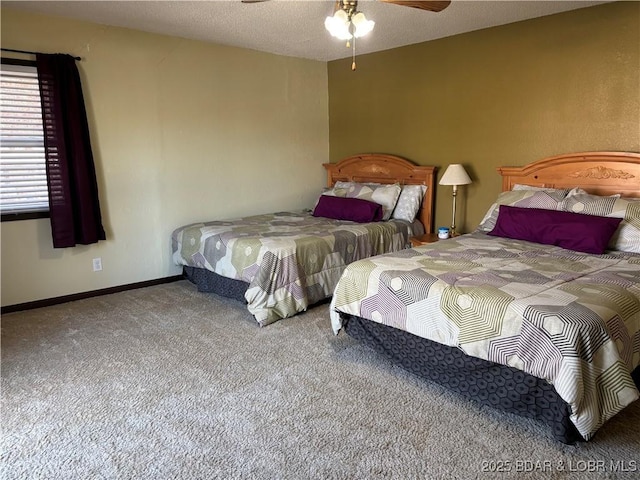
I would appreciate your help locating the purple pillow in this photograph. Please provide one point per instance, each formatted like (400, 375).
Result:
(342, 208)
(573, 231)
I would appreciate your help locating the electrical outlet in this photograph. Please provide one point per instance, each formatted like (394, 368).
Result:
(97, 264)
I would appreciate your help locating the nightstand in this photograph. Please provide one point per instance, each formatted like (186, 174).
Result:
(422, 239)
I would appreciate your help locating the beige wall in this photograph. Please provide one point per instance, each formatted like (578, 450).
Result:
(507, 95)
(182, 131)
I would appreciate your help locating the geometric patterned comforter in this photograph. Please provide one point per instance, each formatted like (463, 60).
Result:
(570, 318)
(289, 259)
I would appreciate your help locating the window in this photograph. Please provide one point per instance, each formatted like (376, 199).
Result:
(23, 178)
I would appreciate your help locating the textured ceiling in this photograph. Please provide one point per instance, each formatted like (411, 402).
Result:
(296, 28)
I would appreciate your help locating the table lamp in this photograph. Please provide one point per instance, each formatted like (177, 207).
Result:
(455, 175)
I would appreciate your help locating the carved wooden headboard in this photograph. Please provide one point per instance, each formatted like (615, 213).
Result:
(599, 173)
(383, 168)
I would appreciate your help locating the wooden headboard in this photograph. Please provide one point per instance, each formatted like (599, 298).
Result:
(599, 173)
(382, 168)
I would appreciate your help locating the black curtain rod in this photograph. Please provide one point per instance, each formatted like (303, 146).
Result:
(28, 53)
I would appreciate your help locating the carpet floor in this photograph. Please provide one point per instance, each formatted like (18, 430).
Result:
(166, 382)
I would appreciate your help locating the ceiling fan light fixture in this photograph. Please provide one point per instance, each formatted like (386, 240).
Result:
(347, 22)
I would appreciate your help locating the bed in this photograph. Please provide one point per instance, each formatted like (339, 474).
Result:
(282, 263)
(536, 329)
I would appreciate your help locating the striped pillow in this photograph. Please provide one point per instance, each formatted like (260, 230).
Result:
(547, 199)
(627, 236)
(386, 195)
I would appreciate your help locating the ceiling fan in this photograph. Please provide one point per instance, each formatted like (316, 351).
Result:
(347, 23)
(430, 5)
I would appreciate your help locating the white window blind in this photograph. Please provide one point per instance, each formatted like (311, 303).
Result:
(23, 179)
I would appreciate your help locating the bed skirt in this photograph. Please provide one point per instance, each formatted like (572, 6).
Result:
(502, 387)
(210, 282)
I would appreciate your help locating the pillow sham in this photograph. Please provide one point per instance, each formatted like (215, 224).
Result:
(409, 202)
(579, 201)
(519, 186)
(385, 195)
(542, 199)
(353, 209)
(573, 231)
(627, 237)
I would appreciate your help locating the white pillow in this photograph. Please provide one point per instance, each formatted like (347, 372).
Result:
(409, 202)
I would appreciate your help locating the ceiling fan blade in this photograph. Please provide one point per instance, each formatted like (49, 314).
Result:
(432, 6)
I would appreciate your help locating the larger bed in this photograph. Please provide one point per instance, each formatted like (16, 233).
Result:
(539, 330)
(282, 263)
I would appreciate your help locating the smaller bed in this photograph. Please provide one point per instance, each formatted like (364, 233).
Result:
(546, 331)
(282, 263)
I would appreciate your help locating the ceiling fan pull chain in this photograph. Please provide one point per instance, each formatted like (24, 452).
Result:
(353, 55)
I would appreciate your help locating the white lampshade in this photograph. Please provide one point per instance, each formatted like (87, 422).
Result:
(455, 174)
(338, 25)
(362, 25)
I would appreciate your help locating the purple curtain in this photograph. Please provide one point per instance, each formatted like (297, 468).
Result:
(74, 207)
